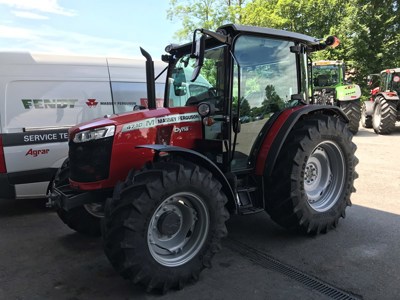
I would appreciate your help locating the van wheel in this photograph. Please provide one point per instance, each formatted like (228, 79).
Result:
(84, 219)
(312, 181)
(165, 224)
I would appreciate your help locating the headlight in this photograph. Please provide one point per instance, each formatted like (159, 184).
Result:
(94, 134)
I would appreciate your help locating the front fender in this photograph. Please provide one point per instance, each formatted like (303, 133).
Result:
(280, 129)
(198, 159)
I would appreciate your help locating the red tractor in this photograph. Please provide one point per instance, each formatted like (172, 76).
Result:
(160, 183)
(383, 110)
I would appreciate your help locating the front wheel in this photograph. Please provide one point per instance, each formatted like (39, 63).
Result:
(164, 224)
(312, 181)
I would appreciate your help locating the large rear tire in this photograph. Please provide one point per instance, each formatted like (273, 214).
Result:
(84, 219)
(164, 224)
(312, 180)
(384, 117)
(352, 109)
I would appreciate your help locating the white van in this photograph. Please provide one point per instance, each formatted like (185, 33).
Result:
(41, 96)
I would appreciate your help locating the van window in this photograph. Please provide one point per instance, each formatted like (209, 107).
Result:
(128, 94)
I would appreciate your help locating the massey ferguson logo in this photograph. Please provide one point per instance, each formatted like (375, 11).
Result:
(35, 153)
(48, 103)
(91, 103)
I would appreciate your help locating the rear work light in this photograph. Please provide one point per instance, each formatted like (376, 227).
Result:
(2, 160)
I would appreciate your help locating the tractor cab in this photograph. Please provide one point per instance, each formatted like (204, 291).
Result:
(240, 77)
(390, 81)
(328, 73)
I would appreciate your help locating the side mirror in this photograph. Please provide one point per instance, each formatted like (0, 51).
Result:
(198, 47)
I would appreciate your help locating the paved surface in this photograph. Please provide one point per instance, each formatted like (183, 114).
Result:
(40, 258)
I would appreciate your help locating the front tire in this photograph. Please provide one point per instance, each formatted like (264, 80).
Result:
(352, 109)
(312, 181)
(164, 224)
(384, 117)
(83, 219)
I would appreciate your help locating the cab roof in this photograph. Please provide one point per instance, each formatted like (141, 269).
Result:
(235, 29)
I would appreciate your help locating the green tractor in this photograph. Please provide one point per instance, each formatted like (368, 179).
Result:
(331, 88)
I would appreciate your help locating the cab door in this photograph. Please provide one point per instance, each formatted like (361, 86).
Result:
(266, 71)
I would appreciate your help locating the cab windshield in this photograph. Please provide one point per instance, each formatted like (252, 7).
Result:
(326, 75)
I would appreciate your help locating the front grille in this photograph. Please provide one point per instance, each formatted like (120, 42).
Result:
(90, 161)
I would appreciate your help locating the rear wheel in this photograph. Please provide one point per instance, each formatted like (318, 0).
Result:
(384, 117)
(352, 109)
(312, 181)
(164, 224)
(84, 219)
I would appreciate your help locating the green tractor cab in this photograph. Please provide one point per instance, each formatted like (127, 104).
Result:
(331, 88)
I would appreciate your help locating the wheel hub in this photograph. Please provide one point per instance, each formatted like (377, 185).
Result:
(169, 223)
(324, 176)
(311, 173)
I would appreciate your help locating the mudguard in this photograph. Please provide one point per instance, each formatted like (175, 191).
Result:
(369, 108)
(390, 96)
(280, 129)
(196, 158)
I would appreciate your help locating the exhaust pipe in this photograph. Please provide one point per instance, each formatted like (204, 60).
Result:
(151, 85)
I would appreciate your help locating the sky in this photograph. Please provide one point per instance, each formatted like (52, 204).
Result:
(87, 27)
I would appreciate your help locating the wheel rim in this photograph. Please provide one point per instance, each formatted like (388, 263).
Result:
(377, 116)
(324, 176)
(363, 115)
(178, 229)
(95, 209)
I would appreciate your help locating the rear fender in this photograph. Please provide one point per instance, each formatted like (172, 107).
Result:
(389, 96)
(280, 129)
(198, 159)
(369, 108)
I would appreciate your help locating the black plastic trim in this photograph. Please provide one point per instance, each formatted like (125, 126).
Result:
(7, 190)
(31, 176)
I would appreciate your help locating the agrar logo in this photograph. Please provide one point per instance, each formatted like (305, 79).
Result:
(35, 153)
(91, 103)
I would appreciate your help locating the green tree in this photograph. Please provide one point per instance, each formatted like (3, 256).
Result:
(272, 102)
(369, 30)
(244, 108)
(208, 14)
(314, 18)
